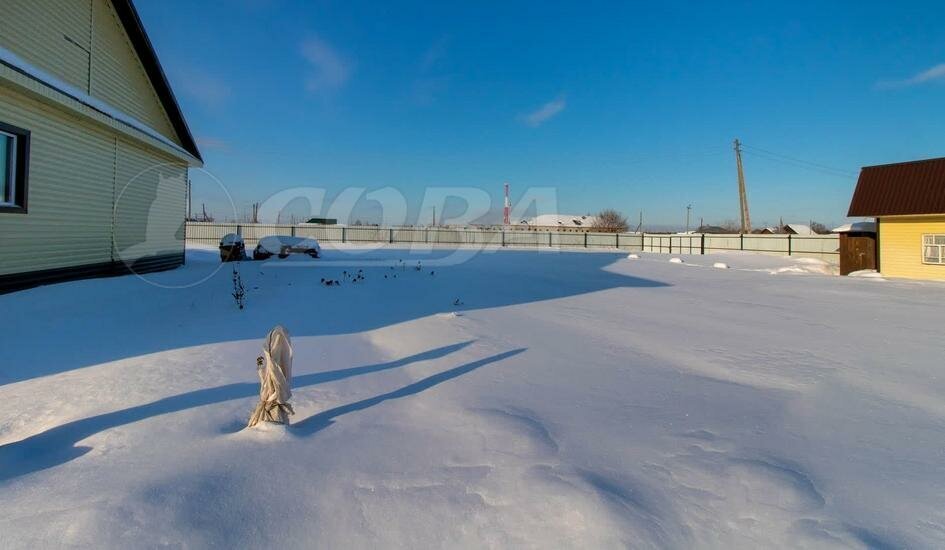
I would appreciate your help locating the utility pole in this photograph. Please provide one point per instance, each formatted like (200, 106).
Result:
(434, 216)
(742, 194)
(640, 225)
(688, 210)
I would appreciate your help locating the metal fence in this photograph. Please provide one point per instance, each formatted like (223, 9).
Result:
(818, 246)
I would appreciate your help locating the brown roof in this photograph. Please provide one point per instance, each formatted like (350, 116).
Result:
(906, 188)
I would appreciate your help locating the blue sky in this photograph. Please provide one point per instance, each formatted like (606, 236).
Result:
(626, 105)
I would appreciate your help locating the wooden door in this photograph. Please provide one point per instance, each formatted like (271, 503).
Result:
(857, 251)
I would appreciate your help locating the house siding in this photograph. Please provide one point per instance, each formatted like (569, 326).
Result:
(900, 246)
(69, 194)
(83, 43)
(118, 78)
(150, 203)
(76, 168)
(54, 35)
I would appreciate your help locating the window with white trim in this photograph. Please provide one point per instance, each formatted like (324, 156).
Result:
(7, 169)
(14, 161)
(933, 249)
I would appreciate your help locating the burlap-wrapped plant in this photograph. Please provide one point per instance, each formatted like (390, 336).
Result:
(275, 379)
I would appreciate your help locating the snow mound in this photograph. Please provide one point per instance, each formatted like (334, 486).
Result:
(275, 244)
(800, 266)
(867, 274)
(720, 265)
(675, 260)
(633, 256)
(449, 315)
(788, 269)
(811, 261)
(266, 431)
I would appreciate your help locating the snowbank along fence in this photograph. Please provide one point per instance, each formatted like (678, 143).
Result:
(817, 246)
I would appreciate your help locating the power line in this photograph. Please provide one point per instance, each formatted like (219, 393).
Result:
(799, 163)
(825, 171)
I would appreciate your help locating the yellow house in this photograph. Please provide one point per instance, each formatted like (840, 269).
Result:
(908, 202)
(94, 149)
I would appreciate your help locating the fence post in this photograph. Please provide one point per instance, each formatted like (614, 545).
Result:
(702, 245)
(293, 230)
(343, 234)
(741, 241)
(585, 239)
(391, 235)
(788, 244)
(617, 235)
(671, 244)
(239, 230)
(503, 237)
(549, 240)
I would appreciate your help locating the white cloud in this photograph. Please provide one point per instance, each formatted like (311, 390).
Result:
(431, 81)
(929, 75)
(199, 85)
(330, 70)
(212, 143)
(433, 55)
(544, 113)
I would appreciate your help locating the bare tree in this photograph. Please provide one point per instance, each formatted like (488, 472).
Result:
(731, 226)
(610, 221)
(819, 228)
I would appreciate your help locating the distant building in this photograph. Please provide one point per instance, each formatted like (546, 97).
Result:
(798, 229)
(559, 222)
(713, 230)
(94, 150)
(908, 201)
(323, 221)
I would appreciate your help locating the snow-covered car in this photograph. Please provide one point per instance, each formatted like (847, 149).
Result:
(232, 248)
(282, 246)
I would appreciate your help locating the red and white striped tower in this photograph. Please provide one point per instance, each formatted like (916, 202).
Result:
(507, 210)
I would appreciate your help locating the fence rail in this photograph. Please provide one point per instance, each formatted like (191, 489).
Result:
(818, 246)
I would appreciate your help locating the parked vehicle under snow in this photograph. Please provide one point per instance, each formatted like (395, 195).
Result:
(232, 248)
(283, 245)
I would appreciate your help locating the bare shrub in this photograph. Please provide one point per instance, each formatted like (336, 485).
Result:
(610, 221)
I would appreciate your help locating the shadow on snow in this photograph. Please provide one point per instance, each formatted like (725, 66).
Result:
(82, 323)
(57, 445)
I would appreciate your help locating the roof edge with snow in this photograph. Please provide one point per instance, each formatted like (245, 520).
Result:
(152, 66)
(145, 52)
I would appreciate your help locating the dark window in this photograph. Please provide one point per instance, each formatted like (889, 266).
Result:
(14, 168)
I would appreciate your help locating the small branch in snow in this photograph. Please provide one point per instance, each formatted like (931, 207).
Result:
(239, 293)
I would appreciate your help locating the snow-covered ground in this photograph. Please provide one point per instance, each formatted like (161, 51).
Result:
(569, 399)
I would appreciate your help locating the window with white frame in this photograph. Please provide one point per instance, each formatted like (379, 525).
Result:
(933, 249)
(14, 161)
(7, 169)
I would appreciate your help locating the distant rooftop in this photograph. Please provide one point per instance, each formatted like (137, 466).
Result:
(560, 220)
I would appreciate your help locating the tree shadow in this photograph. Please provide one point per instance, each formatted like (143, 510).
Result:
(324, 419)
(138, 318)
(57, 445)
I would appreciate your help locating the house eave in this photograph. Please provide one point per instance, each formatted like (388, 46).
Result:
(46, 88)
